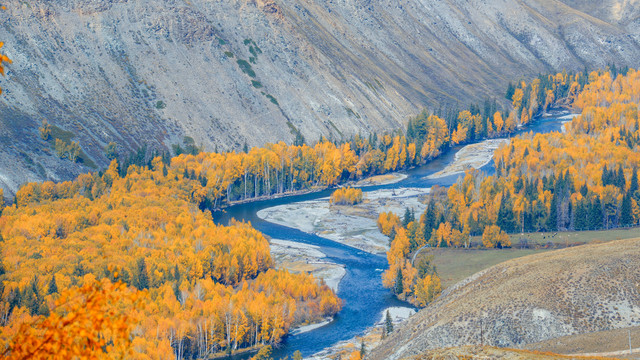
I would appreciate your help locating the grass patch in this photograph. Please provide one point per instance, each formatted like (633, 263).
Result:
(335, 127)
(246, 68)
(160, 105)
(352, 113)
(573, 238)
(256, 84)
(66, 136)
(58, 133)
(229, 54)
(272, 99)
(253, 52)
(221, 42)
(455, 265)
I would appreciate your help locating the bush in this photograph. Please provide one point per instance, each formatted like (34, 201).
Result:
(45, 131)
(346, 196)
(70, 151)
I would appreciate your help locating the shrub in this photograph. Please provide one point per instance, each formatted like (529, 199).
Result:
(45, 131)
(346, 196)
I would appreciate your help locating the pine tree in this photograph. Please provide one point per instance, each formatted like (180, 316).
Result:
(633, 186)
(620, 180)
(53, 287)
(581, 217)
(595, 214)
(398, 288)
(511, 89)
(408, 217)
(362, 349)
(552, 220)
(506, 218)
(429, 219)
(142, 278)
(388, 324)
(31, 297)
(626, 214)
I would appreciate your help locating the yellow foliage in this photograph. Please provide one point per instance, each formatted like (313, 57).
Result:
(387, 222)
(205, 281)
(346, 196)
(494, 237)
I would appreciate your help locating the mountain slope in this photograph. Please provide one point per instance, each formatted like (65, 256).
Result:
(535, 298)
(256, 71)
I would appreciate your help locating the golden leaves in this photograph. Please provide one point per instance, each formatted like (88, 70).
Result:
(346, 196)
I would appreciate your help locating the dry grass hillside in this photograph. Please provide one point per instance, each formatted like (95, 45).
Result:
(256, 71)
(530, 299)
(488, 352)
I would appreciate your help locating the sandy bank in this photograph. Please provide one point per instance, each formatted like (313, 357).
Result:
(473, 156)
(297, 258)
(381, 179)
(350, 225)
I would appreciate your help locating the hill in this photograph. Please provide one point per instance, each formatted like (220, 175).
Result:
(530, 299)
(227, 73)
(488, 352)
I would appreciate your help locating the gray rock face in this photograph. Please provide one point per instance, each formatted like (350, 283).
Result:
(235, 71)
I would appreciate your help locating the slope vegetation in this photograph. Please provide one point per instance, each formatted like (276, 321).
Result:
(150, 71)
(539, 297)
(488, 352)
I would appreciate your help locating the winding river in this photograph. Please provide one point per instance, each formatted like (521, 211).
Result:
(361, 288)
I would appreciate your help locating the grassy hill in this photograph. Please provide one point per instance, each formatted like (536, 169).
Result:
(530, 299)
(488, 352)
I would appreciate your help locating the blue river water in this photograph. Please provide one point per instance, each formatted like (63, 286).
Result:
(364, 298)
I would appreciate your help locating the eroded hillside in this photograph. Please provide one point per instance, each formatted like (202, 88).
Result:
(232, 72)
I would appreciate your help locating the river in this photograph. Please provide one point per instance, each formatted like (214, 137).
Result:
(361, 289)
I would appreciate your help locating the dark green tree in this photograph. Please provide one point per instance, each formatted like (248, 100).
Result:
(552, 219)
(633, 184)
(53, 287)
(506, 218)
(398, 287)
(596, 214)
(408, 217)
(142, 277)
(388, 323)
(626, 213)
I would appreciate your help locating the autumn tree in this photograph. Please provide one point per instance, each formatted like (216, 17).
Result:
(494, 237)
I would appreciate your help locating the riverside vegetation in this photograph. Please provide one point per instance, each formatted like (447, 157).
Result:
(583, 179)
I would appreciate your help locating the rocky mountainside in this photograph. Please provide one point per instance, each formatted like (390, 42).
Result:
(566, 292)
(231, 72)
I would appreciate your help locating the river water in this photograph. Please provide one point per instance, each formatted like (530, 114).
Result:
(361, 289)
